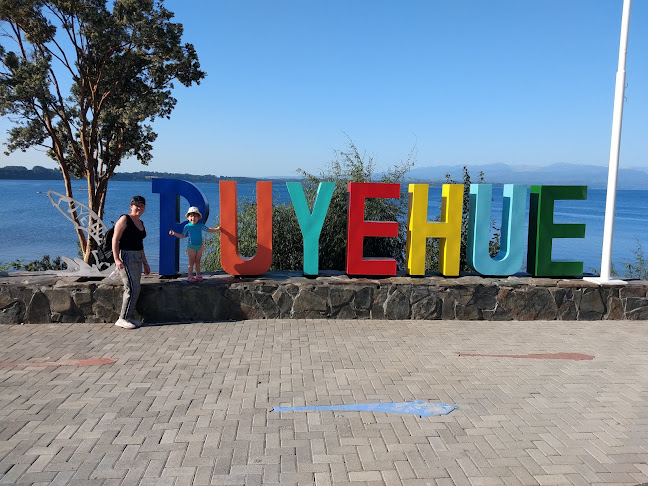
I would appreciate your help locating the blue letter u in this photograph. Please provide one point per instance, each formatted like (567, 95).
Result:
(510, 257)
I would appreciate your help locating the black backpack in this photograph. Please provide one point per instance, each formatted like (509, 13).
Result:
(104, 252)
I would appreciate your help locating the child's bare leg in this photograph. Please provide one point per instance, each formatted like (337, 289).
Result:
(192, 260)
(197, 261)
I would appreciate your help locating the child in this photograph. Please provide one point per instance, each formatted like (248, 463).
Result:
(195, 247)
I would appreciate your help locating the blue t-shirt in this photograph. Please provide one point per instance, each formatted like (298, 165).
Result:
(194, 231)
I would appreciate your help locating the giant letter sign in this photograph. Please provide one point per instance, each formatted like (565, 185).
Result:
(170, 191)
(511, 254)
(448, 230)
(358, 228)
(542, 231)
(231, 261)
(311, 223)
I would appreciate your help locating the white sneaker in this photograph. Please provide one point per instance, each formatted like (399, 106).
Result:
(137, 323)
(125, 324)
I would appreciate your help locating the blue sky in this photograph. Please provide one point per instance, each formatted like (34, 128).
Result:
(518, 82)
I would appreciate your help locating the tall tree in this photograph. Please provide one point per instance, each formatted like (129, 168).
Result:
(84, 78)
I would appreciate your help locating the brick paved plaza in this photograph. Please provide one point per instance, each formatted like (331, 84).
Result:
(192, 403)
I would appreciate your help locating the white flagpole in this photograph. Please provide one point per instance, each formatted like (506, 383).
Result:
(615, 145)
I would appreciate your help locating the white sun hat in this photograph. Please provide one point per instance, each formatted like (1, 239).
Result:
(193, 209)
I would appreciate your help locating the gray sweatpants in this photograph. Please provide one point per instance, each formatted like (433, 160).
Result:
(130, 275)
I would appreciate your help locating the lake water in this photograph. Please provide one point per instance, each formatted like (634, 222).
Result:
(31, 227)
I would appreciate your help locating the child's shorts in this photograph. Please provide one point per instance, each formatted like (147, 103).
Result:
(194, 247)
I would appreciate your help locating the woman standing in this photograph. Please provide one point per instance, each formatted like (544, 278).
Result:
(128, 249)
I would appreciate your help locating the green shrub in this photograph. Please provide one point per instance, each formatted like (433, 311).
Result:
(41, 265)
(349, 166)
(638, 267)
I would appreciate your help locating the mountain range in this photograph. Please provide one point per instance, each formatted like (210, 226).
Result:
(593, 176)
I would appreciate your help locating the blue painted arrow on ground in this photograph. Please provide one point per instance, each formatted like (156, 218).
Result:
(416, 407)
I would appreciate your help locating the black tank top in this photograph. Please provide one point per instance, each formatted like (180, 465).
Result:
(132, 239)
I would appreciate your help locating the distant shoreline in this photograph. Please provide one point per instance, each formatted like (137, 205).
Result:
(41, 173)
(594, 177)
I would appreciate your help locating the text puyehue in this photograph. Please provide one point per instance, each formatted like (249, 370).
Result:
(509, 260)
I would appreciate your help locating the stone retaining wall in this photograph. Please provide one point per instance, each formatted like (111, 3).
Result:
(42, 298)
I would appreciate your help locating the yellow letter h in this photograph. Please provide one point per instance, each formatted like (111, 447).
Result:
(419, 229)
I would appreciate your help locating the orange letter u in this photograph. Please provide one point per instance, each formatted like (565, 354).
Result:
(231, 261)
